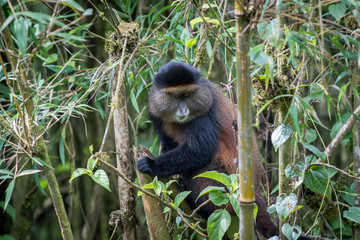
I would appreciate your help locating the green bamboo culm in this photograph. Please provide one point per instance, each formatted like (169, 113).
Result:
(244, 117)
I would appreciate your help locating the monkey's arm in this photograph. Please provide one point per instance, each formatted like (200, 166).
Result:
(194, 153)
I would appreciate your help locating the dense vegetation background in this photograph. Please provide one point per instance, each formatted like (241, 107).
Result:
(74, 79)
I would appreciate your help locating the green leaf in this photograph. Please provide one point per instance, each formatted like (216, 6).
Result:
(337, 10)
(220, 177)
(180, 197)
(234, 203)
(295, 117)
(62, 150)
(9, 192)
(291, 232)
(91, 164)
(78, 172)
(353, 214)
(9, 210)
(310, 135)
(21, 34)
(200, 19)
(133, 100)
(218, 198)
(210, 189)
(6, 237)
(51, 58)
(285, 205)
(101, 178)
(218, 222)
(316, 179)
(41, 162)
(157, 187)
(316, 151)
(73, 4)
(280, 135)
(190, 43)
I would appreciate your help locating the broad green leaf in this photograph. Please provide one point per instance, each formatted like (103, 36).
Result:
(285, 205)
(291, 232)
(353, 214)
(9, 192)
(218, 222)
(337, 10)
(234, 203)
(190, 43)
(91, 164)
(296, 173)
(62, 150)
(180, 197)
(316, 151)
(280, 135)
(220, 177)
(210, 189)
(78, 172)
(218, 198)
(316, 179)
(157, 186)
(310, 135)
(101, 178)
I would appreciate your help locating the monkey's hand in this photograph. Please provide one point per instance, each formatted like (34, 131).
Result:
(146, 165)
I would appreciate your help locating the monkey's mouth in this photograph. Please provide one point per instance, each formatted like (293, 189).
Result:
(181, 118)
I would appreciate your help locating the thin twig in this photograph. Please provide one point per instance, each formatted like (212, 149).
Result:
(341, 134)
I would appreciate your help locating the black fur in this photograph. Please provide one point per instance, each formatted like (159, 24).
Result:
(199, 146)
(176, 73)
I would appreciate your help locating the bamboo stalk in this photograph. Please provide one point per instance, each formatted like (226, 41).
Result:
(244, 116)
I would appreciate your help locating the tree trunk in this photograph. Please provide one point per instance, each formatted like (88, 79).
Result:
(123, 160)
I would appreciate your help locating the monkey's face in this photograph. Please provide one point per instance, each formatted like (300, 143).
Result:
(180, 103)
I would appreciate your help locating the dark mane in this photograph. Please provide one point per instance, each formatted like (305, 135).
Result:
(176, 73)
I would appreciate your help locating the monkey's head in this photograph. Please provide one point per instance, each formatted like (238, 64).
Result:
(179, 94)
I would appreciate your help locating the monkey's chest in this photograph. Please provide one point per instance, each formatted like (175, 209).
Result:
(174, 131)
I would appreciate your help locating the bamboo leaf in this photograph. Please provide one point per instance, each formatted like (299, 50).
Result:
(190, 43)
(316, 151)
(9, 192)
(62, 150)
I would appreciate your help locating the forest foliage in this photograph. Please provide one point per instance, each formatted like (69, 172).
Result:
(60, 60)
